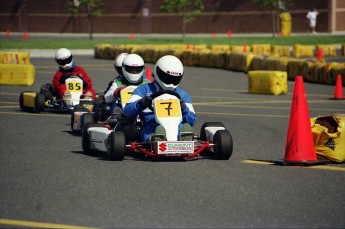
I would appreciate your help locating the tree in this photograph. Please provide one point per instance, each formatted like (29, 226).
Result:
(187, 10)
(91, 7)
(275, 6)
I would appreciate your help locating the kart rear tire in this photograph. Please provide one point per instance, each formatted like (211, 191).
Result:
(223, 144)
(40, 100)
(117, 146)
(87, 118)
(21, 102)
(208, 124)
(85, 137)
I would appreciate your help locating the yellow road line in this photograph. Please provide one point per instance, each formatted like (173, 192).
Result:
(230, 90)
(324, 167)
(9, 93)
(238, 114)
(257, 162)
(9, 106)
(1, 102)
(35, 114)
(263, 107)
(33, 224)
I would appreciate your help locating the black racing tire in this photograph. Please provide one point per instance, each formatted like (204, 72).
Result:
(77, 108)
(72, 119)
(208, 124)
(85, 137)
(117, 146)
(87, 118)
(223, 144)
(40, 100)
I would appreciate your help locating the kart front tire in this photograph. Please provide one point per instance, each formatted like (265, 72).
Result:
(117, 146)
(40, 100)
(87, 118)
(208, 124)
(85, 140)
(85, 137)
(223, 144)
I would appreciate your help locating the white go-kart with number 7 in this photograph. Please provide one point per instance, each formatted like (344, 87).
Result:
(214, 137)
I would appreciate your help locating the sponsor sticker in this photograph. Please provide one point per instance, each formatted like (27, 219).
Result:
(184, 147)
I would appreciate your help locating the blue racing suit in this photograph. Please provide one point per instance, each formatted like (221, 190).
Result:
(133, 108)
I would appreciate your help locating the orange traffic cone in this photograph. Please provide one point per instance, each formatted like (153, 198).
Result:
(26, 36)
(338, 92)
(149, 73)
(300, 149)
(7, 32)
(319, 54)
(244, 47)
(229, 33)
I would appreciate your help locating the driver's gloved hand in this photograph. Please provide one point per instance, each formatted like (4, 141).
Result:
(183, 105)
(145, 102)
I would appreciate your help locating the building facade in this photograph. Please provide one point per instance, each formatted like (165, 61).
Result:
(144, 16)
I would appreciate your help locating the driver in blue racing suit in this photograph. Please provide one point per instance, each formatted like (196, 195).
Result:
(168, 73)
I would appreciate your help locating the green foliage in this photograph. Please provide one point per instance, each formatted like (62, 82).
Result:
(187, 10)
(272, 4)
(275, 6)
(91, 7)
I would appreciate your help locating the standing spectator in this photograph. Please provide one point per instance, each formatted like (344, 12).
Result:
(311, 16)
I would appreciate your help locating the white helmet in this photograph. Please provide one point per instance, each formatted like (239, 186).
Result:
(118, 62)
(168, 72)
(64, 58)
(133, 68)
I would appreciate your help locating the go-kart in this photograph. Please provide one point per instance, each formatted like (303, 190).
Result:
(214, 137)
(81, 116)
(45, 100)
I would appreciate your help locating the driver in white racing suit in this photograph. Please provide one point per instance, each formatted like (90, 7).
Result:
(131, 70)
(168, 73)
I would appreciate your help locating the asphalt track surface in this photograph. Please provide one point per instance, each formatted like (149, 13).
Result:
(47, 181)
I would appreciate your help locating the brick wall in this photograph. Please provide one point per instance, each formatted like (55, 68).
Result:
(119, 16)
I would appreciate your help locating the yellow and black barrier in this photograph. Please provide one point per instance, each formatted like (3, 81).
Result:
(16, 69)
(267, 82)
(232, 57)
(329, 137)
(303, 50)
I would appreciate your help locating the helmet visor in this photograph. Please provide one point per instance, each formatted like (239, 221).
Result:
(133, 69)
(167, 78)
(63, 62)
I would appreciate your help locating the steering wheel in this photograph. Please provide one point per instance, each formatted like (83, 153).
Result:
(161, 92)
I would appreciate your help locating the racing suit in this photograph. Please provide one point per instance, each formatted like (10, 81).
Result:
(119, 82)
(111, 101)
(59, 86)
(133, 108)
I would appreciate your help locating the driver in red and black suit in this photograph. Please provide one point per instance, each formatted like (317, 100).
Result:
(67, 68)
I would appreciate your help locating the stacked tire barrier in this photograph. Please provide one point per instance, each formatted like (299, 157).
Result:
(329, 136)
(299, 60)
(16, 69)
